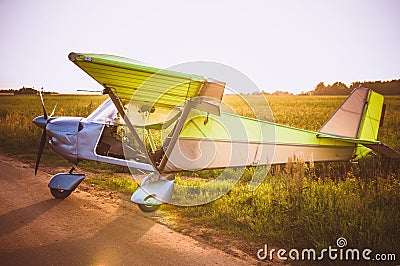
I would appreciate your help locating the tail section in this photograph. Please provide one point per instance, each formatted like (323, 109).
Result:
(358, 117)
(358, 120)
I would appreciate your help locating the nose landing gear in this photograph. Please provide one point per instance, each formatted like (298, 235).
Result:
(63, 184)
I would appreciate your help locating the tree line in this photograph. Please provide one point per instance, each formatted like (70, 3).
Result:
(24, 90)
(339, 88)
(391, 87)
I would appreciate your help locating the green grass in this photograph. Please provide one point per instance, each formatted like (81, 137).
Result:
(17, 132)
(302, 210)
(300, 205)
(110, 181)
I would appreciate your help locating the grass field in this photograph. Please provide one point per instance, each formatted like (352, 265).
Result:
(300, 205)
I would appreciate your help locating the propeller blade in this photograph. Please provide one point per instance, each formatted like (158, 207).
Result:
(44, 109)
(52, 112)
(41, 147)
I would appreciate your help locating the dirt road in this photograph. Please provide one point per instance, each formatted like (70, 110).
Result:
(86, 229)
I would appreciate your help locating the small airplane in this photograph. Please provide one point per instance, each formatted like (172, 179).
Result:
(161, 122)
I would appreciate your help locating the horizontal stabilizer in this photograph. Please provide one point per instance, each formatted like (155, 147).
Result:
(371, 144)
(345, 139)
(384, 150)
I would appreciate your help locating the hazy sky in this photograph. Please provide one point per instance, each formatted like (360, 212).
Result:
(280, 45)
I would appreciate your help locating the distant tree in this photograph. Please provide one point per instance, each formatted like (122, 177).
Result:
(339, 88)
(384, 87)
(355, 85)
(7, 91)
(320, 89)
(281, 93)
(24, 90)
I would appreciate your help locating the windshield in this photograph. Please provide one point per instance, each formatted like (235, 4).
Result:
(106, 113)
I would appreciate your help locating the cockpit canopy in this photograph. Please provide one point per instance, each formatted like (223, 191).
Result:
(106, 113)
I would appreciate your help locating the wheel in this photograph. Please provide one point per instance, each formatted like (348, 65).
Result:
(148, 207)
(60, 193)
(151, 204)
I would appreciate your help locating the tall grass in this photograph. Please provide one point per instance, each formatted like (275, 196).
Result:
(124, 185)
(295, 208)
(17, 132)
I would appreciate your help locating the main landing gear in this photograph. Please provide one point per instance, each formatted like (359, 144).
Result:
(154, 191)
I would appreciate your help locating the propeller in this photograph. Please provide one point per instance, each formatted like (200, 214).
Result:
(41, 121)
(41, 148)
(44, 109)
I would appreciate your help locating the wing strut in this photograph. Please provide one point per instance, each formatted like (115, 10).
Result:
(177, 130)
(128, 123)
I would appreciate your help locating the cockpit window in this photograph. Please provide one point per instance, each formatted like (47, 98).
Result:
(106, 113)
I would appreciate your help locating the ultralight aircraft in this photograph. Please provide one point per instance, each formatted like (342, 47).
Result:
(174, 123)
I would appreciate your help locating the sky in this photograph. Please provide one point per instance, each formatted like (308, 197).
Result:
(280, 45)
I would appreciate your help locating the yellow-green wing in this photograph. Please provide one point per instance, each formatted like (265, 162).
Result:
(131, 79)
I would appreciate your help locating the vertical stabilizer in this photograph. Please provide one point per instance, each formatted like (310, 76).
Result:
(358, 117)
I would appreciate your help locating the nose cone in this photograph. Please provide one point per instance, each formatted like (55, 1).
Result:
(40, 122)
